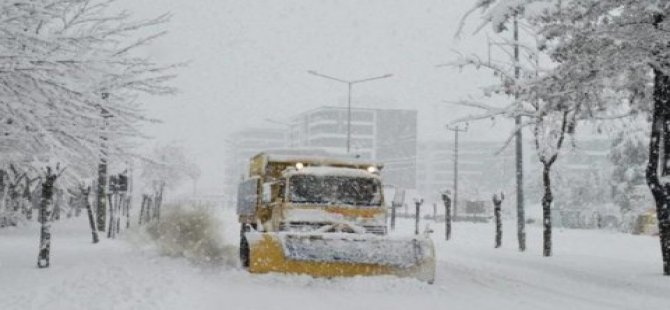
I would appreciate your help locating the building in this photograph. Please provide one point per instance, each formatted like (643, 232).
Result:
(385, 135)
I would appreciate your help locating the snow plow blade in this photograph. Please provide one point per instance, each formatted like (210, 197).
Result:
(342, 255)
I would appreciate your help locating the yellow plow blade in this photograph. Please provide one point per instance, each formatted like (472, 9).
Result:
(342, 255)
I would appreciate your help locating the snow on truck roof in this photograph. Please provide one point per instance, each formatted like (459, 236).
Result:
(333, 171)
(297, 151)
(325, 160)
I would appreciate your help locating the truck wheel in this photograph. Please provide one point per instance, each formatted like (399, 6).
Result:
(244, 247)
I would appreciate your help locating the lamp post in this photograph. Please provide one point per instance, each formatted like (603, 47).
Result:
(350, 84)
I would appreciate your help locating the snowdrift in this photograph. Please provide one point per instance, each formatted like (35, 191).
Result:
(194, 232)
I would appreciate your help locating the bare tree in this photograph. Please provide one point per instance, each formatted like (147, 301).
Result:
(614, 53)
(59, 58)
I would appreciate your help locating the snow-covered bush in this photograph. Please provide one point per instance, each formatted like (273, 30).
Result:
(194, 232)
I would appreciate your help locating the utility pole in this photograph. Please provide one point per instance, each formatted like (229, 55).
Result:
(350, 84)
(520, 212)
(456, 130)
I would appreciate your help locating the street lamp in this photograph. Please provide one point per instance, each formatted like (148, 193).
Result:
(349, 83)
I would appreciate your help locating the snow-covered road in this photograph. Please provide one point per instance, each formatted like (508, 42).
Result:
(590, 270)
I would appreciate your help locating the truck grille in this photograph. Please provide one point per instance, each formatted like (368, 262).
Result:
(307, 227)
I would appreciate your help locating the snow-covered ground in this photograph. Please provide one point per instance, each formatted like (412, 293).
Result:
(590, 270)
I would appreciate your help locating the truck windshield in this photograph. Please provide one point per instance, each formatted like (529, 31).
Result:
(335, 190)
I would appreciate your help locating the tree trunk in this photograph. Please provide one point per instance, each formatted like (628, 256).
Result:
(141, 215)
(112, 216)
(119, 202)
(447, 216)
(546, 209)
(46, 207)
(661, 192)
(417, 216)
(89, 211)
(497, 203)
(149, 209)
(2, 186)
(101, 195)
(27, 206)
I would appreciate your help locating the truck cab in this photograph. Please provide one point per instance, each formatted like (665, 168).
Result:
(305, 193)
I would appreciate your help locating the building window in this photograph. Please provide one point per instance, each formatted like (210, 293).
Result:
(326, 128)
(324, 115)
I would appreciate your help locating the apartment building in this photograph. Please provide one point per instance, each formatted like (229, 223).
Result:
(385, 135)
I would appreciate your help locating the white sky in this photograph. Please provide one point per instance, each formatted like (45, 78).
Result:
(249, 60)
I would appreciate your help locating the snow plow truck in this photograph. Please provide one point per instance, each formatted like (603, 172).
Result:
(324, 217)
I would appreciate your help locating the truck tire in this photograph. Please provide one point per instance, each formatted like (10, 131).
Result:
(244, 247)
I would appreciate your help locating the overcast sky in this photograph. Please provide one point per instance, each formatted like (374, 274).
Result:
(248, 62)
